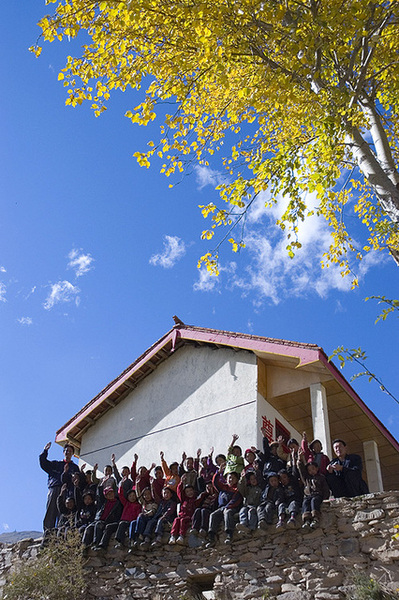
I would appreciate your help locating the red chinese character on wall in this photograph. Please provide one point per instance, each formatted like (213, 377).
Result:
(267, 427)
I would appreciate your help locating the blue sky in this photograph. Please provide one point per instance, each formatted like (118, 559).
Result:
(97, 254)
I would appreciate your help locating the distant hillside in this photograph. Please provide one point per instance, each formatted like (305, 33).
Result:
(10, 537)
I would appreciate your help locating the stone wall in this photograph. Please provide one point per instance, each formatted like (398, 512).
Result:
(355, 536)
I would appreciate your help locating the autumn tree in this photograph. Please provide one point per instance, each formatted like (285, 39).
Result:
(307, 90)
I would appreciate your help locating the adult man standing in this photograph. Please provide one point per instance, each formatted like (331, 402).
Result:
(344, 473)
(59, 472)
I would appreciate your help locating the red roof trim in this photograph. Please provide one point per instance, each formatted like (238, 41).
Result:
(304, 352)
(190, 332)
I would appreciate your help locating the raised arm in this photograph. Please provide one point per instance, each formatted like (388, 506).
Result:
(115, 469)
(233, 441)
(133, 470)
(164, 465)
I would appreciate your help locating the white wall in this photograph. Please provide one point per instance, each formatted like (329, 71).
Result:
(174, 408)
(267, 410)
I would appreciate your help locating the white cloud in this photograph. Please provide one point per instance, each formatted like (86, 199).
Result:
(174, 250)
(273, 275)
(3, 291)
(207, 282)
(25, 321)
(78, 261)
(3, 270)
(207, 176)
(63, 291)
(6, 526)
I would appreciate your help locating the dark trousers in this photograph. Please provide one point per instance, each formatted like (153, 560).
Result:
(266, 512)
(311, 504)
(93, 533)
(107, 533)
(201, 518)
(141, 524)
(290, 507)
(347, 484)
(156, 524)
(123, 528)
(222, 514)
(51, 514)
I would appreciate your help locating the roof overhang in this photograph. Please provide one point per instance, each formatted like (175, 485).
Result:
(274, 352)
(283, 351)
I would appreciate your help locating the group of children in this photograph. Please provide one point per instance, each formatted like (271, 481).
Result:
(242, 492)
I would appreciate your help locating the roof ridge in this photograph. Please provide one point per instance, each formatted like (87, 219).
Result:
(250, 336)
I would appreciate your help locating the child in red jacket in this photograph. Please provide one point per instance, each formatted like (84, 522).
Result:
(187, 496)
(131, 511)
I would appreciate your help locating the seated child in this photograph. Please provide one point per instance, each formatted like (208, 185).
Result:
(269, 460)
(130, 513)
(206, 471)
(235, 461)
(291, 457)
(291, 499)
(229, 503)
(85, 509)
(157, 484)
(141, 478)
(67, 509)
(272, 496)
(149, 508)
(110, 479)
(172, 477)
(109, 512)
(315, 491)
(250, 456)
(187, 496)
(124, 479)
(188, 468)
(89, 485)
(220, 461)
(206, 503)
(251, 492)
(165, 514)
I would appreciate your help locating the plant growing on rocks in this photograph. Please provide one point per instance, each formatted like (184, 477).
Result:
(57, 573)
(367, 588)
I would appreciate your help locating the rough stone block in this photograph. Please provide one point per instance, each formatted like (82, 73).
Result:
(372, 543)
(328, 550)
(297, 595)
(349, 546)
(334, 578)
(314, 583)
(289, 587)
(369, 515)
(293, 575)
(323, 595)
(386, 556)
(274, 579)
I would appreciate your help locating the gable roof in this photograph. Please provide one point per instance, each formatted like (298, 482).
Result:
(344, 404)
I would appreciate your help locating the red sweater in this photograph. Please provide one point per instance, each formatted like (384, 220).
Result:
(131, 510)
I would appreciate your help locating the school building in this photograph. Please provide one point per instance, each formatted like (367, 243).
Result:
(195, 387)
